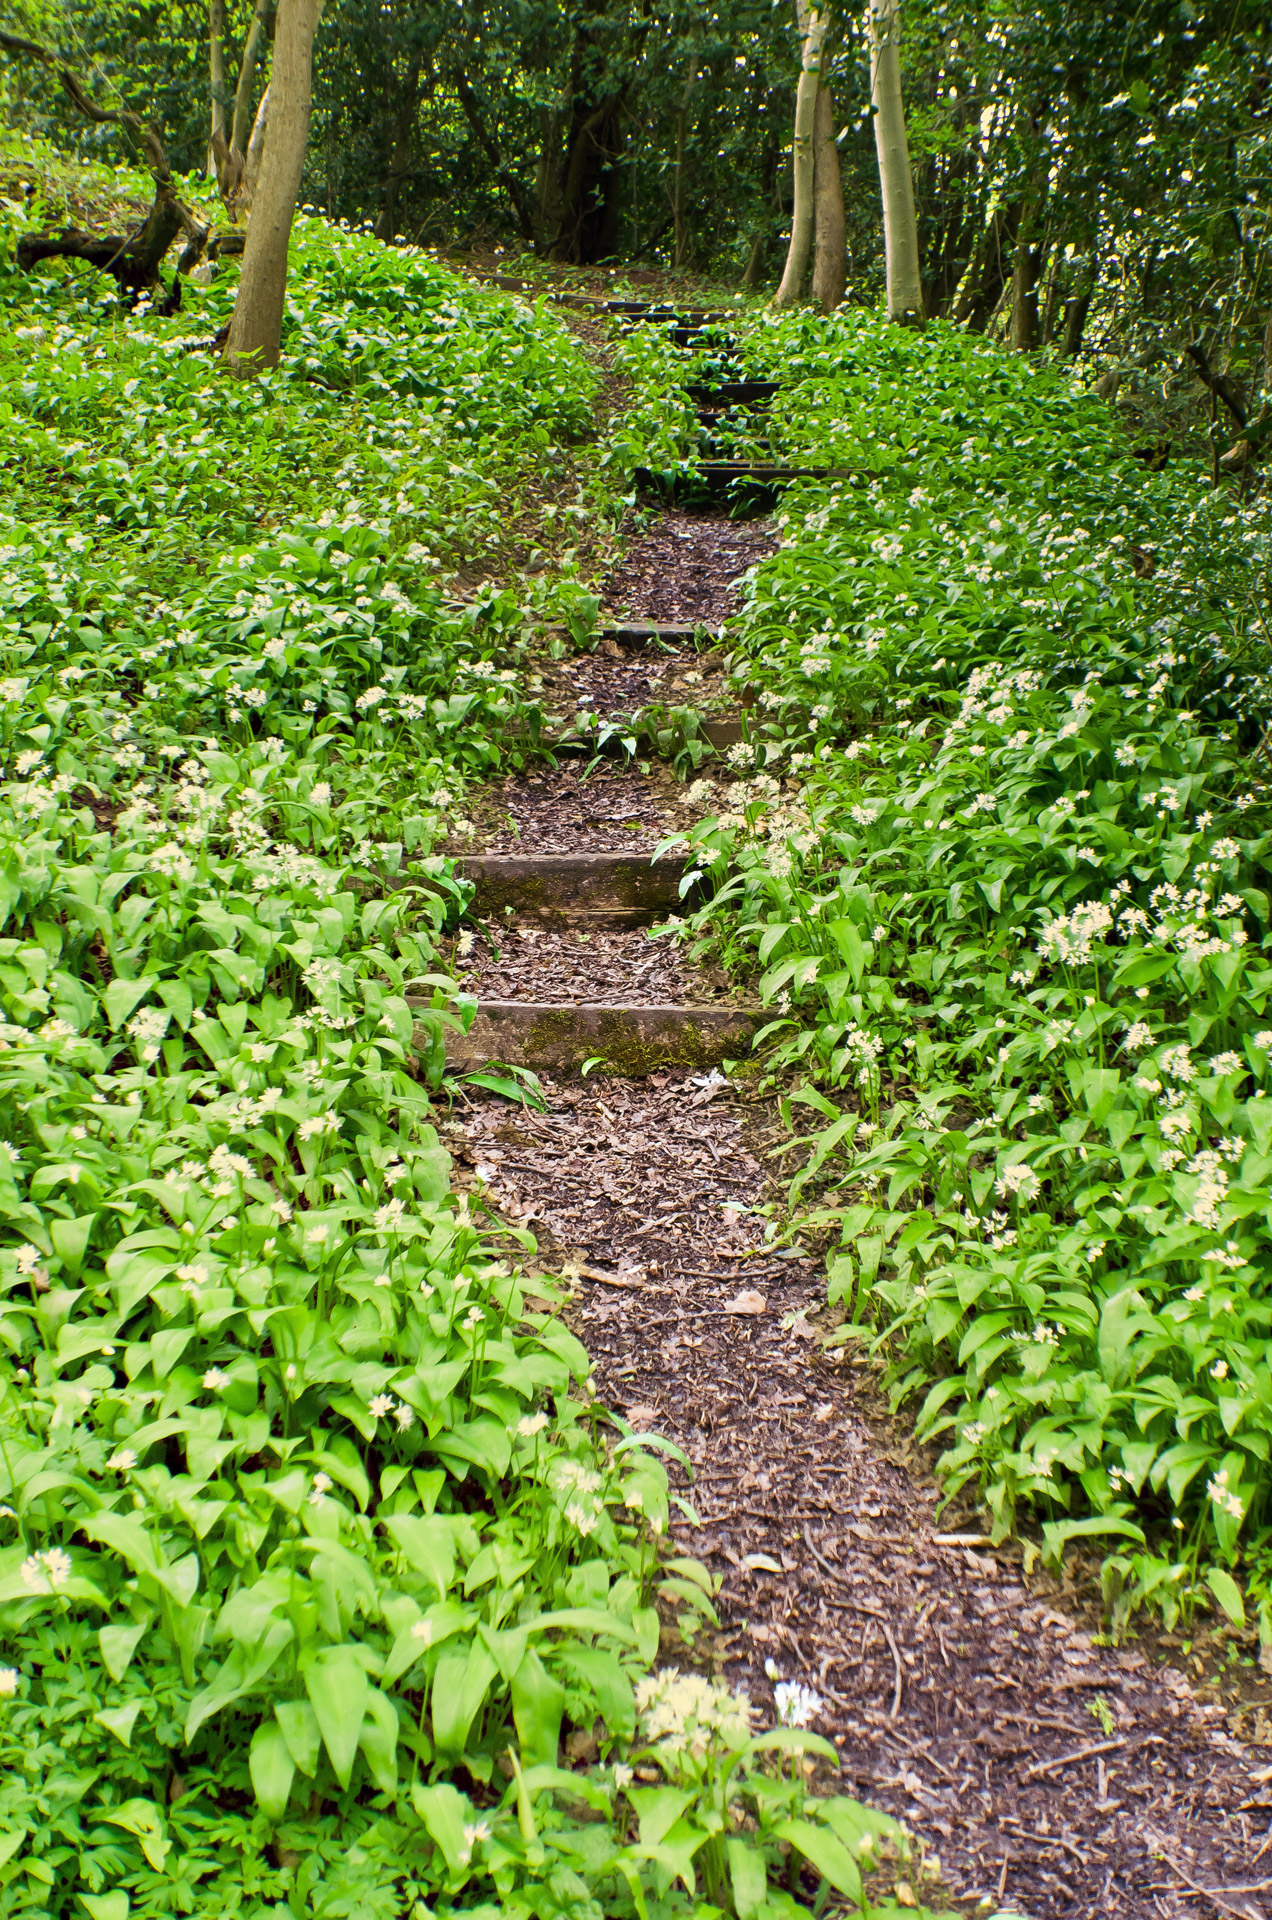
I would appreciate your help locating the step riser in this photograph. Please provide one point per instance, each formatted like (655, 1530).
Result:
(632, 1041)
(588, 889)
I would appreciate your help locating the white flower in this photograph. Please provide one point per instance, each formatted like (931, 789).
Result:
(531, 1424)
(1139, 1034)
(404, 1416)
(320, 794)
(379, 1405)
(46, 1572)
(623, 1777)
(1227, 1063)
(122, 1462)
(796, 1704)
(214, 1380)
(8, 1682)
(28, 1259)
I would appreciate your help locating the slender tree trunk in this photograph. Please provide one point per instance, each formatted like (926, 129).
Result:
(1026, 272)
(1076, 309)
(216, 77)
(900, 227)
(242, 120)
(830, 254)
(257, 322)
(813, 25)
(679, 208)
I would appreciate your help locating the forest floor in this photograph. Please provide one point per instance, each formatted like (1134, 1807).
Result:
(1049, 1773)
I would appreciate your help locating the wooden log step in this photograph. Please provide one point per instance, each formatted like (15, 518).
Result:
(733, 393)
(631, 1040)
(756, 480)
(576, 889)
(639, 633)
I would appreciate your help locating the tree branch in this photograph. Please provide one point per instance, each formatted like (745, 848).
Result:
(1219, 384)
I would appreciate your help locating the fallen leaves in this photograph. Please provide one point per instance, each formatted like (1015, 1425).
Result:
(748, 1301)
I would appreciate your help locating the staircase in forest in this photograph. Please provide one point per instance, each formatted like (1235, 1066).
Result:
(579, 892)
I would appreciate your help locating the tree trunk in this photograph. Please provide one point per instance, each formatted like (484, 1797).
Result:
(1076, 309)
(982, 288)
(1026, 267)
(680, 256)
(401, 154)
(256, 325)
(900, 228)
(242, 120)
(830, 253)
(813, 24)
(216, 78)
(253, 159)
(768, 202)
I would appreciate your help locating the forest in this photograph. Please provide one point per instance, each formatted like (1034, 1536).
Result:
(636, 960)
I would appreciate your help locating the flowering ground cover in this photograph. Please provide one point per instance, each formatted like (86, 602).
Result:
(314, 1540)
(997, 848)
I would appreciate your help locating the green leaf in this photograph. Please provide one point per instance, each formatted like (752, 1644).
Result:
(460, 1686)
(657, 1810)
(121, 996)
(300, 1730)
(379, 1740)
(1227, 1593)
(828, 1855)
(428, 1543)
(538, 1702)
(336, 1682)
(272, 1769)
(118, 1644)
(105, 1906)
(748, 1877)
(446, 1812)
(120, 1720)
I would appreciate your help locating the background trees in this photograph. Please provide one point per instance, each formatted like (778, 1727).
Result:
(1087, 180)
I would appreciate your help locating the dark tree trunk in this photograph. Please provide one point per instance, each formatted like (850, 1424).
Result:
(983, 289)
(401, 154)
(133, 260)
(590, 184)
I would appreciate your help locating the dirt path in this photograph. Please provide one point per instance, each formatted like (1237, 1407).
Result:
(1055, 1778)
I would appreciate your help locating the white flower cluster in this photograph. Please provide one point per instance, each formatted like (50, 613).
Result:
(684, 1713)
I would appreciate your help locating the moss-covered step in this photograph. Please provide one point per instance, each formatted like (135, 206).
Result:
(642, 633)
(572, 889)
(628, 1040)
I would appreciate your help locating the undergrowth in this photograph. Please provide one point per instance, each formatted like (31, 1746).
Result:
(997, 847)
(315, 1543)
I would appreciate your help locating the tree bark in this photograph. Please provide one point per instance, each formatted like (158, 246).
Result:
(1024, 289)
(256, 325)
(900, 227)
(216, 79)
(830, 253)
(1076, 309)
(253, 159)
(813, 25)
(242, 119)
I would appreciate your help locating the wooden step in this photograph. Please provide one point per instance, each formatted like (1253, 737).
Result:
(630, 1040)
(639, 633)
(732, 393)
(756, 481)
(576, 889)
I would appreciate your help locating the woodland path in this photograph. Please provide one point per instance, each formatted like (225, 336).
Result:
(1053, 1777)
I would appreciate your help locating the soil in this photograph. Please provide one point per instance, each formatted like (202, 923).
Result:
(1050, 1775)
(610, 809)
(684, 567)
(598, 969)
